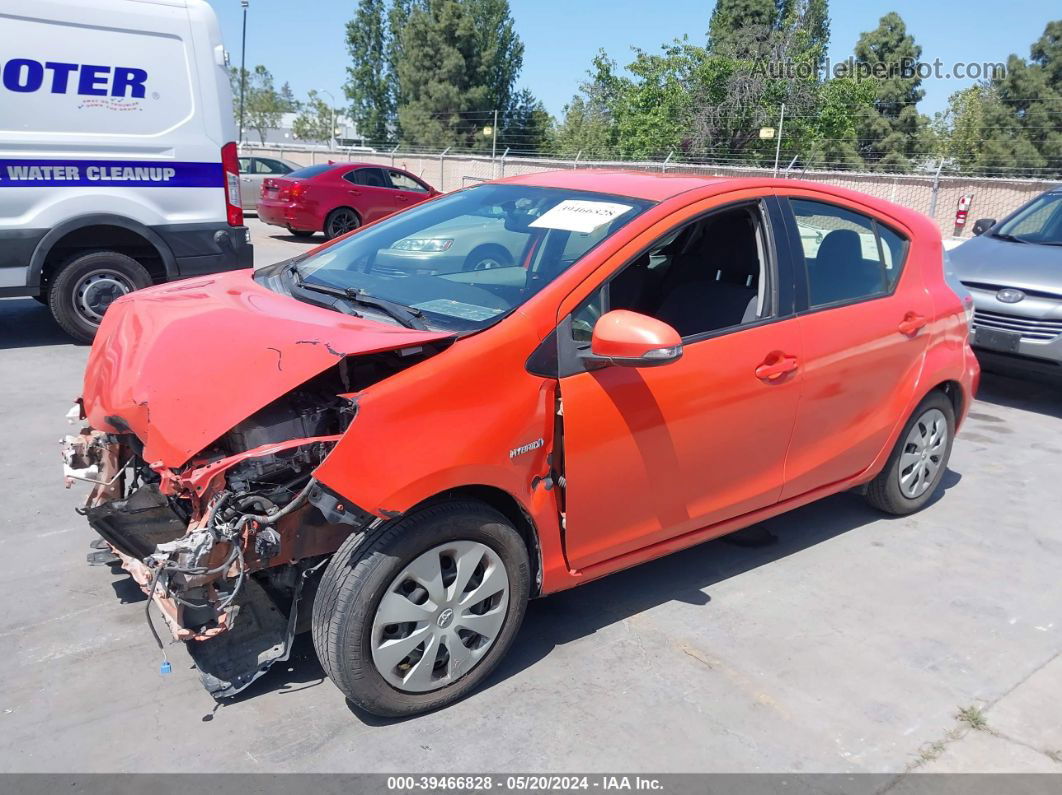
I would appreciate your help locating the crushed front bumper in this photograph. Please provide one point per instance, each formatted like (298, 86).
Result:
(227, 574)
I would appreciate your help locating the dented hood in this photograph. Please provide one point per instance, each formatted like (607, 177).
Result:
(181, 364)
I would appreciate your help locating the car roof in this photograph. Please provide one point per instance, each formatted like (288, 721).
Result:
(660, 187)
(635, 184)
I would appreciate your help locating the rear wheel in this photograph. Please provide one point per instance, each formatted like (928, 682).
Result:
(416, 615)
(340, 221)
(87, 285)
(917, 463)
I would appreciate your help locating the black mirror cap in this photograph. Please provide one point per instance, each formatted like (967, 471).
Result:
(982, 225)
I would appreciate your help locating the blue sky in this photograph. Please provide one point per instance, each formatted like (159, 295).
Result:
(303, 43)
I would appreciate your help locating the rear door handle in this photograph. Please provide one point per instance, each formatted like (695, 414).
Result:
(911, 323)
(354, 192)
(775, 366)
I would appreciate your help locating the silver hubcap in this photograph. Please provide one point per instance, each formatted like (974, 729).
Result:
(923, 453)
(440, 616)
(98, 290)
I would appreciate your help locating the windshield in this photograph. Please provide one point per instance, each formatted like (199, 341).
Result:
(464, 261)
(1038, 222)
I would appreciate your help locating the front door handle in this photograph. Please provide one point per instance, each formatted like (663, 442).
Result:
(775, 366)
(911, 323)
(402, 198)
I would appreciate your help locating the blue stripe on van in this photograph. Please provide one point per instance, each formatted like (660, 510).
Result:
(100, 173)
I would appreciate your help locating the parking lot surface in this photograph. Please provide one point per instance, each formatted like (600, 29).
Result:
(849, 644)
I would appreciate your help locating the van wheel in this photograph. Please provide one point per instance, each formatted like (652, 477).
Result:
(301, 232)
(340, 221)
(86, 285)
(917, 463)
(415, 615)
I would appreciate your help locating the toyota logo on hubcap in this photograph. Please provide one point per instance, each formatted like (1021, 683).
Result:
(1009, 295)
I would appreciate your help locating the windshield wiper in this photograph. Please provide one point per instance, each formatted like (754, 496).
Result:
(405, 315)
(1011, 238)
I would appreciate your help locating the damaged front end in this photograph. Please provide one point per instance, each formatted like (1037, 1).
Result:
(227, 545)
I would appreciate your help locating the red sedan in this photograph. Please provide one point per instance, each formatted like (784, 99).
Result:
(336, 198)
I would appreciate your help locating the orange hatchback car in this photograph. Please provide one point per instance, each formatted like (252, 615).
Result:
(398, 459)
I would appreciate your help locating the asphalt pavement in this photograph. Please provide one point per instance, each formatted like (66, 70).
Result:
(853, 643)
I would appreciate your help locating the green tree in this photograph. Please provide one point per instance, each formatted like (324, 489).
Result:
(397, 18)
(586, 129)
(263, 104)
(287, 99)
(732, 20)
(367, 86)
(314, 122)
(892, 133)
(459, 62)
(526, 126)
(698, 102)
(1008, 125)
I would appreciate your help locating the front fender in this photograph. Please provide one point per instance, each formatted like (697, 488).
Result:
(471, 415)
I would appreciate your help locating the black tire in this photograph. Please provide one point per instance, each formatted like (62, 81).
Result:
(301, 232)
(356, 580)
(487, 257)
(119, 270)
(340, 221)
(884, 492)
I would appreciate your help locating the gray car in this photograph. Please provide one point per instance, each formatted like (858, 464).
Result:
(255, 169)
(1013, 270)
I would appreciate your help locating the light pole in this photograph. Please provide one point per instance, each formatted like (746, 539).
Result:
(332, 126)
(243, 61)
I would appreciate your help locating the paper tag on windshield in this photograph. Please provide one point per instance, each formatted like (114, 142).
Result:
(578, 215)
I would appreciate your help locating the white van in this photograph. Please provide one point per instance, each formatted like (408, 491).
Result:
(118, 164)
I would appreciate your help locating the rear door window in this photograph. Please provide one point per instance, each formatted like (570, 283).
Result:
(368, 177)
(848, 256)
(263, 165)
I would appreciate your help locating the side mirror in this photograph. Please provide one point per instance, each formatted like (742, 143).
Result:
(630, 339)
(982, 225)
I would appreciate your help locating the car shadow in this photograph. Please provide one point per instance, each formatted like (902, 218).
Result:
(565, 617)
(685, 576)
(312, 240)
(1039, 395)
(26, 323)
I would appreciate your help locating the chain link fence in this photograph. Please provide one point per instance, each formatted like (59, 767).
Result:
(935, 195)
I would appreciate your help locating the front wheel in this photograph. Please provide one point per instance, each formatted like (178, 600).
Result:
(415, 615)
(917, 463)
(87, 285)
